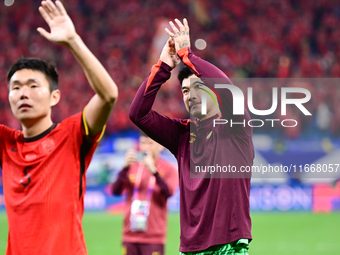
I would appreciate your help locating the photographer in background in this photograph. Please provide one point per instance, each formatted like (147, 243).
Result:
(148, 182)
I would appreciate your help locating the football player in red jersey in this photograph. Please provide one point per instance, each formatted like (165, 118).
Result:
(44, 165)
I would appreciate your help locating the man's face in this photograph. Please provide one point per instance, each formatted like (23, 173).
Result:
(146, 144)
(193, 90)
(30, 97)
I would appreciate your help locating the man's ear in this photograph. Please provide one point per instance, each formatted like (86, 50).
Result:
(55, 97)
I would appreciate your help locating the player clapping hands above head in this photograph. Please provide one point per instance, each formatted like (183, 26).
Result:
(214, 212)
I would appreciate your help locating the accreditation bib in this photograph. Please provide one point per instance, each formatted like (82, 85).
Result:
(139, 215)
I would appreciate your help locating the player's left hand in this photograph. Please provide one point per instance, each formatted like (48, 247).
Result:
(149, 162)
(61, 25)
(181, 35)
(168, 54)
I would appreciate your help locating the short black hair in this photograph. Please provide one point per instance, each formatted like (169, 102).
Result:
(184, 73)
(36, 64)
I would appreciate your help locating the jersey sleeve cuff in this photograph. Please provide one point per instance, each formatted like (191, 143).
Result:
(96, 138)
(164, 66)
(183, 52)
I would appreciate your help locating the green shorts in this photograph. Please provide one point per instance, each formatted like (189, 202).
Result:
(239, 247)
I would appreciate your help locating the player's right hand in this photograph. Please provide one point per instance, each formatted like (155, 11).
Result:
(130, 157)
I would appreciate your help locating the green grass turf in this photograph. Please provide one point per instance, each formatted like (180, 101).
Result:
(279, 234)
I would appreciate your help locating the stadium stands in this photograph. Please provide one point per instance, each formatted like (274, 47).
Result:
(248, 38)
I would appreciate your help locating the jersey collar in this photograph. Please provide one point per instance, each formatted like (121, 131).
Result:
(42, 135)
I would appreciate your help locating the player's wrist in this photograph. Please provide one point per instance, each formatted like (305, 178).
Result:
(165, 66)
(184, 44)
(165, 63)
(73, 42)
(182, 51)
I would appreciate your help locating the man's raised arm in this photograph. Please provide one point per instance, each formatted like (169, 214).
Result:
(62, 29)
(160, 128)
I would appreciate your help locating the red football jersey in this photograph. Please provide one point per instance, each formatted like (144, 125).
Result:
(44, 186)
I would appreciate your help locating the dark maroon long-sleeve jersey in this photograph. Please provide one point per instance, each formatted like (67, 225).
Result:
(212, 210)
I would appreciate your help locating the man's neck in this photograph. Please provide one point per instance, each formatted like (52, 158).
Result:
(36, 128)
(210, 114)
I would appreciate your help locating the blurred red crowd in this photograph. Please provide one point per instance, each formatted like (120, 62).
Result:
(245, 38)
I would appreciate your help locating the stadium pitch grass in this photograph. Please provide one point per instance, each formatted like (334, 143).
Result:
(273, 233)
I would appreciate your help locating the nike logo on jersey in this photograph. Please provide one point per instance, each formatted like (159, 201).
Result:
(14, 150)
